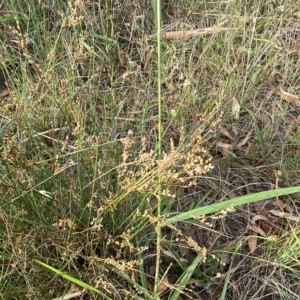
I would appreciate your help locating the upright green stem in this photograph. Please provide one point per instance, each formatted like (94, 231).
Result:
(159, 192)
(159, 82)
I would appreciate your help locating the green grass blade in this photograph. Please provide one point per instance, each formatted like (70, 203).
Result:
(5, 128)
(73, 279)
(186, 277)
(157, 5)
(231, 203)
(105, 38)
(156, 15)
(137, 286)
(223, 295)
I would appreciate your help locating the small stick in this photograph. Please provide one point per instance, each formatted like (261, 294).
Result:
(190, 33)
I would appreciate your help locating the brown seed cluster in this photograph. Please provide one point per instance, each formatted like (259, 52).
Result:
(23, 41)
(76, 13)
(142, 172)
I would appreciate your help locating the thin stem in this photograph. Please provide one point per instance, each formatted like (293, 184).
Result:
(159, 192)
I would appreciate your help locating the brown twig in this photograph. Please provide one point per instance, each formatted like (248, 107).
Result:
(190, 33)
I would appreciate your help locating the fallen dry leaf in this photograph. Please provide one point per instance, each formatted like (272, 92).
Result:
(225, 149)
(150, 287)
(235, 108)
(224, 145)
(281, 214)
(226, 133)
(194, 116)
(234, 226)
(217, 290)
(244, 140)
(288, 96)
(164, 284)
(170, 254)
(247, 153)
(261, 207)
(297, 88)
(282, 206)
(267, 227)
(252, 242)
(230, 193)
(4, 93)
(257, 230)
(71, 295)
(183, 250)
(257, 218)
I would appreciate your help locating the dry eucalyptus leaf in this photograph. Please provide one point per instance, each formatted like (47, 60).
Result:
(226, 133)
(252, 242)
(235, 108)
(234, 226)
(244, 140)
(257, 230)
(183, 251)
(247, 150)
(282, 206)
(269, 227)
(281, 214)
(4, 93)
(71, 295)
(224, 145)
(230, 193)
(257, 218)
(170, 254)
(288, 96)
(150, 287)
(194, 116)
(164, 284)
(224, 148)
(217, 290)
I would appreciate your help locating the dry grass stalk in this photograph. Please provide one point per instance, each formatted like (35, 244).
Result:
(186, 34)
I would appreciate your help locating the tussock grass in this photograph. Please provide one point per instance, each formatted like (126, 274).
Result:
(82, 187)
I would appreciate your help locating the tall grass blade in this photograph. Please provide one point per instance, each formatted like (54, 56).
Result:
(74, 280)
(223, 295)
(137, 286)
(187, 276)
(157, 5)
(157, 16)
(230, 204)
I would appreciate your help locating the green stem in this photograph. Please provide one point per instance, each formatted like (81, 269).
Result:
(159, 193)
